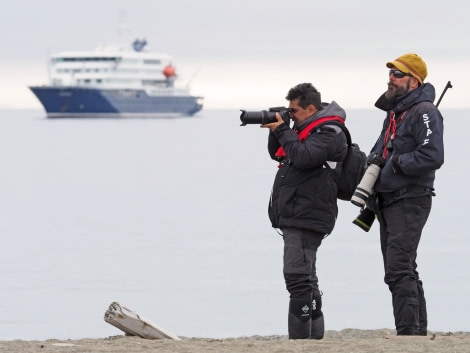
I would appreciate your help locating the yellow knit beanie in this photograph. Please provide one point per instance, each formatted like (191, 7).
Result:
(411, 64)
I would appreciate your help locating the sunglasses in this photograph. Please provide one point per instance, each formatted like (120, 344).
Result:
(397, 73)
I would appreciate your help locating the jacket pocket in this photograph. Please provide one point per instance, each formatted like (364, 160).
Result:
(286, 202)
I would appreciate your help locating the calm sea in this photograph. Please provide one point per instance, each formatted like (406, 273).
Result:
(169, 218)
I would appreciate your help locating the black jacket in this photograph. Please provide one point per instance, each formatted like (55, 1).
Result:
(418, 148)
(304, 194)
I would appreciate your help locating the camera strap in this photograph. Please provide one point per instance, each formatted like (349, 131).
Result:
(281, 153)
(391, 131)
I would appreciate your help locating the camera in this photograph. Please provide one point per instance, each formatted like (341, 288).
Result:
(265, 116)
(365, 219)
(364, 189)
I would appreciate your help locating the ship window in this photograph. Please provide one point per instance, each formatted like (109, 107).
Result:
(130, 61)
(82, 59)
(152, 82)
(152, 62)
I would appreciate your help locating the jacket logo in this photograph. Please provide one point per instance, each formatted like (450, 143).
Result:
(429, 131)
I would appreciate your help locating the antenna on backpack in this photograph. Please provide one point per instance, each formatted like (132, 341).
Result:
(449, 85)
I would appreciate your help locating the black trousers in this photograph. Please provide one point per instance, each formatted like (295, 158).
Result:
(300, 255)
(401, 225)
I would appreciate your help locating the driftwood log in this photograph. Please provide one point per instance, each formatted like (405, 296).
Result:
(133, 324)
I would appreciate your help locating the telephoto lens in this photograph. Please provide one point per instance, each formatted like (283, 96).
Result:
(260, 117)
(365, 219)
(364, 189)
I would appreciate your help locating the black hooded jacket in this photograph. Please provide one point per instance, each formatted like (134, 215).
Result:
(304, 194)
(418, 148)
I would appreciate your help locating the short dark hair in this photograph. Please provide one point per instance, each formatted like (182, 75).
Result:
(307, 94)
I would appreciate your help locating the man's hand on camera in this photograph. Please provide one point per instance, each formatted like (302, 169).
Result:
(273, 126)
(374, 158)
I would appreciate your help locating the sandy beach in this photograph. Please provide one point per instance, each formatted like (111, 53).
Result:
(348, 340)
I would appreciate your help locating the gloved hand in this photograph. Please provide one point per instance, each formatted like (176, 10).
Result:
(374, 158)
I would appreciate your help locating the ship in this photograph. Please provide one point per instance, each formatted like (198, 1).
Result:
(115, 81)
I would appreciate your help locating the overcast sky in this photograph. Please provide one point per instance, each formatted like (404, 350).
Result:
(247, 53)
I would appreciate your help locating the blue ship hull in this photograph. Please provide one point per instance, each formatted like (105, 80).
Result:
(89, 102)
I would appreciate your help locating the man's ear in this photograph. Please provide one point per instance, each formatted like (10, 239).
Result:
(312, 109)
(414, 83)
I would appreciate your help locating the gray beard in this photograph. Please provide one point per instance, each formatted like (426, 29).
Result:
(391, 94)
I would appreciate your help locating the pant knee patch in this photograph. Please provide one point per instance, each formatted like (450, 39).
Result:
(298, 285)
